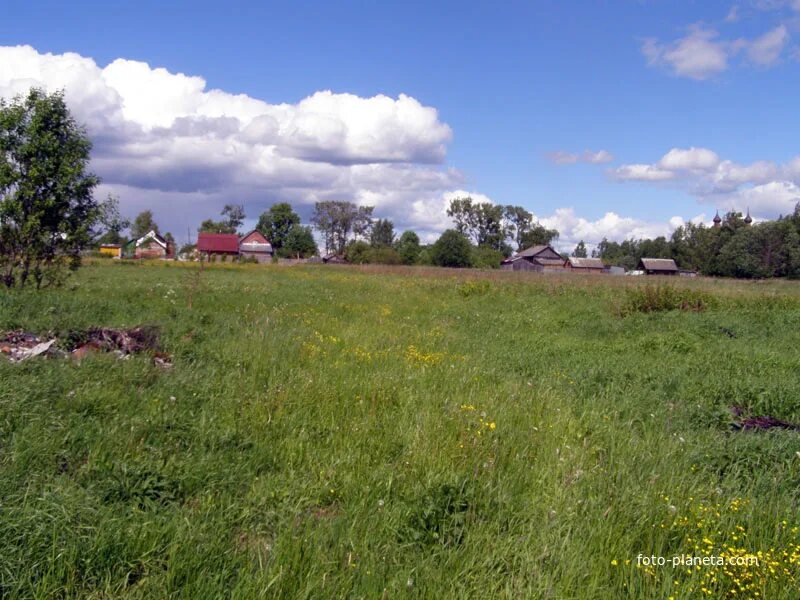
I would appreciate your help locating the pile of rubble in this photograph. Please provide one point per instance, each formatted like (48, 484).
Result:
(22, 345)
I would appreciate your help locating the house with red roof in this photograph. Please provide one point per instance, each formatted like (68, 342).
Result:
(218, 244)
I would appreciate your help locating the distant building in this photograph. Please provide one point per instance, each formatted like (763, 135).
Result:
(658, 266)
(255, 245)
(333, 259)
(150, 245)
(585, 265)
(113, 250)
(218, 244)
(536, 258)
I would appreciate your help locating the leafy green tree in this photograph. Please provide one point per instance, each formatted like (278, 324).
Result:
(341, 222)
(483, 222)
(537, 235)
(408, 247)
(212, 226)
(452, 249)
(47, 205)
(462, 211)
(113, 223)
(384, 255)
(144, 223)
(299, 243)
(580, 250)
(277, 223)
(425, 257)
(357, 252)
(519, 222)
(382, 233)
(484, 257)
(233, 218)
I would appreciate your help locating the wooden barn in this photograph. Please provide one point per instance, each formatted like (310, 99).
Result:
(218, 244)
(658, 266)
(540, 259)
(585, 265)
(255, 245)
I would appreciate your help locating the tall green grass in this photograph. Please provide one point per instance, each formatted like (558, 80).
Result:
(388, 433)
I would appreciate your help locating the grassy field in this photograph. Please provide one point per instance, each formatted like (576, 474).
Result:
(336, 432)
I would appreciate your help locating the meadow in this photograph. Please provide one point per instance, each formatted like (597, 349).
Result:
(344, 432)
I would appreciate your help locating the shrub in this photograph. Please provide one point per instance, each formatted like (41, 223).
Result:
(357, 252)
(484, 257)
(659, 298)
(452, 249)
(384, 256)
(473, 288)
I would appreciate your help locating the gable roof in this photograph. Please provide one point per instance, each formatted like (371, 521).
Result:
(256, 236)
(150, 235)
(586, 263)
(218, 242)
(255, 241)
(536, 250)
(658, 264)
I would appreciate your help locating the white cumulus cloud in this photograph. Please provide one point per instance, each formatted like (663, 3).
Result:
(561, 157)
(698, 55)
(702, 54)
(167, 136)
(691, 159)
(766, 188)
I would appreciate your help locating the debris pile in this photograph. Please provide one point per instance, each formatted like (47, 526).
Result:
(759, 423)
(20, 345)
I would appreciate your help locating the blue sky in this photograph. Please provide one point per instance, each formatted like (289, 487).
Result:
(530, 91)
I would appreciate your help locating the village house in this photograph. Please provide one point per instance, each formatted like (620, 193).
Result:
(218, 244)
(585, 265)
(255, 245)
(540, 259)
(150, 245)
(658, 266)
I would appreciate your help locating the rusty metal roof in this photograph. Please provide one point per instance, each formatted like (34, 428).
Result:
(218, 242)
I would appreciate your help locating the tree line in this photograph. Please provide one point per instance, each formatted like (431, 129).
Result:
(733, 248)
(49, 216)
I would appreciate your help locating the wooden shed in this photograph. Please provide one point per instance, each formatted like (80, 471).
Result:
(658, 266)
(333, 259)
(540, 259)
(585, 265)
